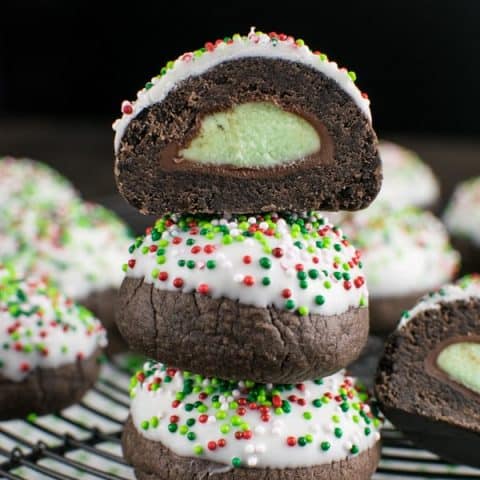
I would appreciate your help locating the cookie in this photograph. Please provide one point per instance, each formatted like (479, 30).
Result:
(407, 180)
(405, 252)
(462, 218)
(47, 230)
(50, 348)
(274, 298)
(322, 429)
(428, 382)
(240, 125)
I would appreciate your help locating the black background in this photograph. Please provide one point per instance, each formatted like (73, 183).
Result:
(418, 61)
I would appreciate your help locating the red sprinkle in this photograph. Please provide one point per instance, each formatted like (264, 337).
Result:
(238, 435)
(203, 288)
(358, 282)
(132, 262)
(153, 248)
(163, 276)
(203, 418)
(299, 267)
(276, 401)
(277, 252)
(247, 434)
(174, 419)
(222, 442)
(178, 282)
(291, 441)
(248, 280)
(347, 285)
(247, 259)
(212, 445)
(24, 367)
(209, 248)
(196, 249)
(286, 293)
(177, 240)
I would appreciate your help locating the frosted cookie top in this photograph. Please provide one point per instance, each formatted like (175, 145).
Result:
(404, 251)
(299, 263)
(462, 215)
(255, 44)
(464, 289)
(24, 181)
(41, 328)
(246, 424)
(407, 180)
(81, 253)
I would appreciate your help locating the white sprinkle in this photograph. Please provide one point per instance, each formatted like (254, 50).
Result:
(263, 225)
(260, 448)
(250, 448)
(276, 431)
(211, 419)
(260, 430)
(252, 220)
(252, 461)
(238, 277)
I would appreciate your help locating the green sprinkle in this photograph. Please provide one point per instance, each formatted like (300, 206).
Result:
(198, 449)
(172, 427)
(236, 462)
(303, 311)
(338, 432)
(325, 446)
(191, 436)
(211, 264)
(307, 415)
(354, 450)
(265, 262)
(266, 281)
(154, 422)
(319, 299)
(145, 424)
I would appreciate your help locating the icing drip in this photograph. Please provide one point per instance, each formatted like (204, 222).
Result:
(299, 263)
(462, 216)
(255, 44)
(404, 251)
(406, 179)
(464, 289)
(244, 424)
(41, 328)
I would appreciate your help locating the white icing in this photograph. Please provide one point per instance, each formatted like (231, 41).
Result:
(41, 328)
(267, 446)
(404, 251)
(23, 180)
(462, 215)
(80, 247)
(406, 179)
(253, 45)
(228, 277)
(466, 288)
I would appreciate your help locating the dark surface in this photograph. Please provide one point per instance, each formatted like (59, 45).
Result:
(417, 397)
(226, 339)
(344, 175)
(417, 59)
(83, 151)
(154, 461)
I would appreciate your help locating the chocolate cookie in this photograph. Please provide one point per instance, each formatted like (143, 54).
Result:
(462, 218)
(239, 125)
(407, 180)
(406, 254)
(428, 382)
(50, 350)
(274, 298)
(322, 429)
(47, 230)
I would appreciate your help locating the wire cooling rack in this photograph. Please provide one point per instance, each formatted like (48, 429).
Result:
(83, 441)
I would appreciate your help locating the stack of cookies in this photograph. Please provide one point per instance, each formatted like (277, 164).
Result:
(250, 299)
